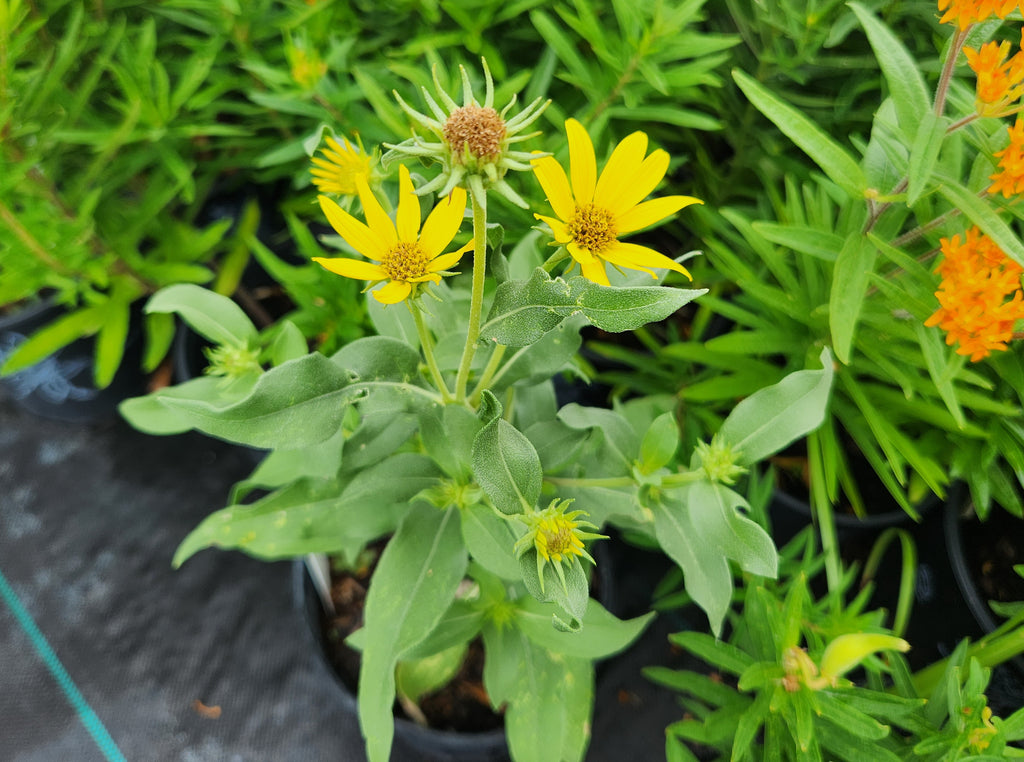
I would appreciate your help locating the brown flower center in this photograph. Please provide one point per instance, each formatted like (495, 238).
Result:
(476, 128)
(592, 228)
(405, 260)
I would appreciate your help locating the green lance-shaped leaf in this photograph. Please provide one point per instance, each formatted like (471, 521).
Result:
(659, 444)
(505, 463)
(548, 697)
(316, 515)
(850, 276)
(984, 216)
(490, 541)
(620, 444)
(771, 418)
(626, 309)
(415, 582)
(833, 159)
(901, 71)
(211, 315)
(293, 405)
(379, 358)
(53, 336)
(715, 515)
(602, 634)
(151, 415)
(110, 340)
(821, 244)
(924, 154)
(705, 568)
(564, 584)
(448, 434)
(523, 311)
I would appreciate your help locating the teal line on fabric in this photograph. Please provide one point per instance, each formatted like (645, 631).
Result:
(85, 713)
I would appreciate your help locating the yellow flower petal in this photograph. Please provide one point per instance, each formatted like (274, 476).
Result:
(557, 228)
(639, 184)
(636, 257)
(443, 223)
(581, 255)
(352, 268)
(621, 166)
(361, 238)
(376, 218)
(555, 184)
(449, 260)
(393, 292)
(594, 271)
(337, 146)
(582, 164)
(408, 218)
(649, 212)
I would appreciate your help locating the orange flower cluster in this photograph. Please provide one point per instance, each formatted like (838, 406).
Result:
(1009, 180)
(1000, 81)
(976, 279)
(966, 12)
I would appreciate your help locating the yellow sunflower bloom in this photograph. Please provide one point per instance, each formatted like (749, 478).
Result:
(592, 212)
(401, 253)
(336, 171)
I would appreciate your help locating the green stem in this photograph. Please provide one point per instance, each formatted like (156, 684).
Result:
(608, 481)
(488, 375)
(477, 299)
(821, 510)
(947, 71)
(428, 351)
(908, 573)
(683, 478)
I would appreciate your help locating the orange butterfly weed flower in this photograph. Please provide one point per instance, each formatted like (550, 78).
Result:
(977, 278)
(963, 13)
(1009, 180)
(1000, 82)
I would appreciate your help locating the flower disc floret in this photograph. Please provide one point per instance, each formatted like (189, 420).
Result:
(475, 133)
(592, 211)
(401, 253)
(473, 142)
(557, 538)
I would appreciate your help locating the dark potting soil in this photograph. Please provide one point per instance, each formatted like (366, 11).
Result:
(992, 548)
(462, 705)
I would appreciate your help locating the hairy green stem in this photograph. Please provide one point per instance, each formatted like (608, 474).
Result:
(608, 481)
(488, 375)
(426, 341)
(477, 298)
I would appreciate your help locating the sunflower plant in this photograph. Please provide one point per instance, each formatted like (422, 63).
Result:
(443, 435)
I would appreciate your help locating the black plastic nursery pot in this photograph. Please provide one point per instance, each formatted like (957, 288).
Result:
(982, 555)
(61, 386)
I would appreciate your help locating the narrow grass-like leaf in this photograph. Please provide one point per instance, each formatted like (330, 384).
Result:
(924, 153)
(901, 71)
(833, 159)
(850, 277)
